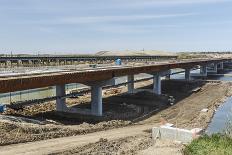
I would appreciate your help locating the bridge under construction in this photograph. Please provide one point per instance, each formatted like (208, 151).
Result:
(99, 77)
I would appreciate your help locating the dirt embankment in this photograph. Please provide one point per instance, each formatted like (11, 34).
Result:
(186, 113)
(122, 110)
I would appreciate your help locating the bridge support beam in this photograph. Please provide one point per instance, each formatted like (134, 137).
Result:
(187, 74)
(130, 86)
(60, 101)
(157, 84)
(96, 100)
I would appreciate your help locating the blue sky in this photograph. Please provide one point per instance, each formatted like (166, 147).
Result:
(87, 26)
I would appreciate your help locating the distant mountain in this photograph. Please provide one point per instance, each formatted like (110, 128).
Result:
(133, 53)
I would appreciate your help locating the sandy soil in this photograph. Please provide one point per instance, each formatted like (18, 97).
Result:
(140, 113)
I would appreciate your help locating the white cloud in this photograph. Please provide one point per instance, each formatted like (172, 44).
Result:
(112, 18)
(152, 3)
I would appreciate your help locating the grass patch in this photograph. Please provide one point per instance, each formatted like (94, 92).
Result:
(216, 144)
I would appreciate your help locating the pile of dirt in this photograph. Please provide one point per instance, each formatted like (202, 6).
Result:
(163, 147)
(126, 146)
(12, 133)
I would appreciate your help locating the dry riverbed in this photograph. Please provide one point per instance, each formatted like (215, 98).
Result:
(122, 110)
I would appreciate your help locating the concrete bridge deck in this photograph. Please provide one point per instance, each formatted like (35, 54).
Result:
(31, 81)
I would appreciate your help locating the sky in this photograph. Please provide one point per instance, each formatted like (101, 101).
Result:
(88, 26)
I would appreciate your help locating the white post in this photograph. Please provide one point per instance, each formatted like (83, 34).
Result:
(96, 100)
(60, 102)
(130, 85)
(157, 84)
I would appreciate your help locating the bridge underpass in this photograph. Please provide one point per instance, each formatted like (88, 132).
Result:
(97, 78)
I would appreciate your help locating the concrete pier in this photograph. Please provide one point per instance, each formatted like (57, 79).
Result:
(221, 66)
(60, 102)
(215, 67)
(157, 84)
(212, 68)
(203, 70)
(96, 96)
(187, 74)
(130, 79)
(96, 100)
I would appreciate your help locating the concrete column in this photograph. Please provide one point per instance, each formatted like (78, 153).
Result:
(96, 100)
(130, 85)
(60, 102)
(187, 74)
(215, 67)
(203, 70)
(157, 84)
(221, 66)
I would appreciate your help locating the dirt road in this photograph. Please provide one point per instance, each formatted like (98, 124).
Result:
(67, 143)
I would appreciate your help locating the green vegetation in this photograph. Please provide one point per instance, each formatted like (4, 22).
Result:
(216, 144)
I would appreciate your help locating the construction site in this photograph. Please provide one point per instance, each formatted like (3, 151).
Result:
(128, 111)
(115, 77)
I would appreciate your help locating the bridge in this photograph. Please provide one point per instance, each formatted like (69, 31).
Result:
(70, 60)
(97, 78)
